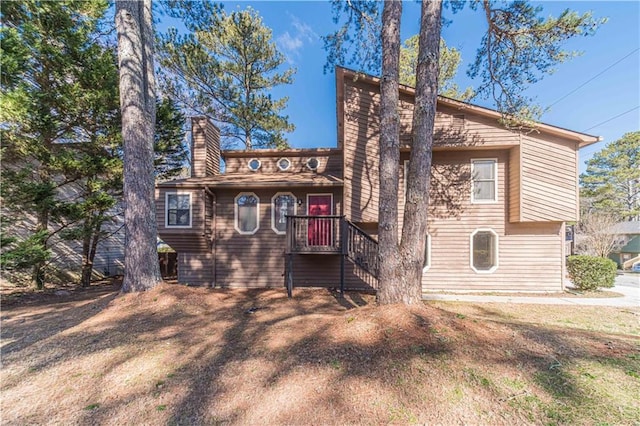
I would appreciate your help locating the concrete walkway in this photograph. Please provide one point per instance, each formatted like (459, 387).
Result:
(628, 286)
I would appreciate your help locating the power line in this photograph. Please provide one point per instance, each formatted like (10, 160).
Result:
(612, 118)
(594, 77)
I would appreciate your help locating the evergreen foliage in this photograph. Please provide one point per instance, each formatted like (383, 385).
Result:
(612, 179)
(591, 272)
(62, 147)
(449, 61)
(225, 68)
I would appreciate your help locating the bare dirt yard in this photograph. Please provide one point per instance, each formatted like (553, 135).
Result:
(193, 356)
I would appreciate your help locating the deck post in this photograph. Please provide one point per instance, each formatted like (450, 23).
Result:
(289, 276)
(343, 251)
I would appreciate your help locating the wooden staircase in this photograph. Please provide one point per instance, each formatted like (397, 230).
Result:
(329, 235)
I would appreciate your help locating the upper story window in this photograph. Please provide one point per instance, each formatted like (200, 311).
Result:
(247, 208)
(484, 183)
(284, 164)
(178, 210)
(282, 204)
(484, 250)
(313, 163)
(254, 164)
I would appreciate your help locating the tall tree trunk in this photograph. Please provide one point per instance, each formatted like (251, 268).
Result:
(414, 230)
(137, 102)
(389, 261)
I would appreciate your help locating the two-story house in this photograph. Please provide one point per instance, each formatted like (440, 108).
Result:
(308, 217)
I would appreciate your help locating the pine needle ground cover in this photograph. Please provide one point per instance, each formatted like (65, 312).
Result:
(181, 355)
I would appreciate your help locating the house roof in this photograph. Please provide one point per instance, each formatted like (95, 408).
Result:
(257, 180)
(625, 228)
(633, 246)
(583, 139)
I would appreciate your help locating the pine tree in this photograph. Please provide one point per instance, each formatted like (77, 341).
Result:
(448, 68)
(612, 179)
(134, 25)
(225, 69)
(49, 65)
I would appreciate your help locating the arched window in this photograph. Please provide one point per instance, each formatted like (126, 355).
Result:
(282, 204)
(247, 217)
(484, 250)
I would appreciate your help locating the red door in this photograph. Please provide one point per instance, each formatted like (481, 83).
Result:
(319, 229)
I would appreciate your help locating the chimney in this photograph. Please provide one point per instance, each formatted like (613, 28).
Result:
(205, 148)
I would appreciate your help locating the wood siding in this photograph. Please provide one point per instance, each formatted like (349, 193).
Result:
(549, 181)
(193, 239)
(258, 260)
(205, 148)
(515, 169)
(329, 163)
(196, 268)
(529, 255)
(454, 130)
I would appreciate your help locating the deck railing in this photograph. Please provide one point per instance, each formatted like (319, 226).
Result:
(314, 234)
(329, 235)
(362, 249)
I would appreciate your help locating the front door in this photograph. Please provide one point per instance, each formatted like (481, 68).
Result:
(320, 231)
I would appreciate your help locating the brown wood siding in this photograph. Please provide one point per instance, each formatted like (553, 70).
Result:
(192, 239)
(329, 164)
(514, 184)
(195, 268)
(255, 260)
(548, 180)
(529, 255)
(361, 133)
(212, 142)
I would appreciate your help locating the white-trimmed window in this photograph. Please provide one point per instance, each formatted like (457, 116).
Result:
(282, 204)
(484, 250)
(254, 164)
(313, 163)
(426, 263)
(284, 164)
(247, 213)
(484, 180)
(177, 209)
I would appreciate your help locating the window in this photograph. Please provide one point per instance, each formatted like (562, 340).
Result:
(247, 206)
(313, 163)
(282, 204)
(426, 264)
(178, 210)
(284, 164)
(484, 250)
(484, 184)
(254, 164)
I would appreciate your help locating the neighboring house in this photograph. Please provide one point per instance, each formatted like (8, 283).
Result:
(627, 252)
(499, 203)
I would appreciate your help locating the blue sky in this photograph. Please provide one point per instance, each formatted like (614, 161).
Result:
(298, 25)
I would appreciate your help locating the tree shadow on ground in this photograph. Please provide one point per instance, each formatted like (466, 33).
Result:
(223, 356)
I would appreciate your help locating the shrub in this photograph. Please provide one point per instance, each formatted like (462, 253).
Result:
(590, 272)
